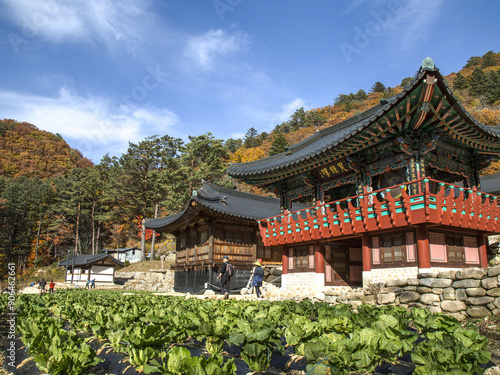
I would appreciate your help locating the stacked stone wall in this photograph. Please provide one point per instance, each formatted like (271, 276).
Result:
(471, 292)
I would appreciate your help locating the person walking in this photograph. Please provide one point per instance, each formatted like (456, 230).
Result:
(42, 285)
(258, 277)
(92, 284)
(51, 286)
(225, 274)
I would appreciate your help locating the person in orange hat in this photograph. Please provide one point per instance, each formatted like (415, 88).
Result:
(258, 276)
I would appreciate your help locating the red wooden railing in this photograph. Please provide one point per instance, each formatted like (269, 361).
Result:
(419, 201)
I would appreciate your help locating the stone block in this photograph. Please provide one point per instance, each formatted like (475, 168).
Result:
(453, 306)
(387, 290)
(396, 282)
(449, 294)
(427, 274)
(466, 283)
(471, 273)
(330, 299)
(417, 304)
(410, 288)
(447, 275)
(424, 289)
(460, 316)
(491, 306)
(354, 304)
(495, 311)
(461, 295)
(495, 292)
(320, 296)
(209, 292)
(494, 271)
(478, 301)
(413, 281)
(409, 296)
(332, 292)
(438, 291)
(478, 312)
(475, 292)
(429, 298)
(436, 283)
(434, 309)
(371, 300)
(386, 298)
(497, 302)
(490, 282)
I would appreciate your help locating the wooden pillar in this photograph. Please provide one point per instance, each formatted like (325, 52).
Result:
(483, 251)
(424, 256)
(367, 262)
(284, 260)
(211, 242)
(319, 258)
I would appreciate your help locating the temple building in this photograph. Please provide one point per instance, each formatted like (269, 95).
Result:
(389, 193)
(218, 221)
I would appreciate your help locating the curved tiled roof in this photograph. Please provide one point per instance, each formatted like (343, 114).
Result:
(220, 201)
(327, 139)
(87, 260)
(491, 184)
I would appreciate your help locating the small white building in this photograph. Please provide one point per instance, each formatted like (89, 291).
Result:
(131, 254)
(100, 267)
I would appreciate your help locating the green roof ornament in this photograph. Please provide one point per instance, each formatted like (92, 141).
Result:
(195, 193)
(428, 63)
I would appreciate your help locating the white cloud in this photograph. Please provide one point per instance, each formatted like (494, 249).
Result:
(287, 110)
(94, 125)
(96, 21)
(205, 48)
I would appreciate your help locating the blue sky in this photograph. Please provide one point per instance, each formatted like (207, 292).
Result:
(103, 73)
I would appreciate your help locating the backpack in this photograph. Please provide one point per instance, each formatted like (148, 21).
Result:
(229, 270)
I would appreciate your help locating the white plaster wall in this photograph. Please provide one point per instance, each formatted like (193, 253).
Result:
(303, 281)
(102, 274)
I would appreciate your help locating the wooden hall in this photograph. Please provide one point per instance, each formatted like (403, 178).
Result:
(392, 192)
(218, 221)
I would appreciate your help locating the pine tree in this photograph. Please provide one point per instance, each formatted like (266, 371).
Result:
(477, 82)
(488, 60)
(460, 82)
(473, 61)
(297, 119)
(278, 145)
(378, 87)
(251, 138)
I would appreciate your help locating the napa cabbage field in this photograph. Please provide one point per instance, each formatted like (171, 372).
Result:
(151, 333)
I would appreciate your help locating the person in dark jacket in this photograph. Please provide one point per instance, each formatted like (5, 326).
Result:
(226, 271)
(258, 276)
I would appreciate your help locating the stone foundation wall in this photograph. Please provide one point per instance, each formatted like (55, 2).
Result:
(149, 281)
(385, 274)
(471, 292)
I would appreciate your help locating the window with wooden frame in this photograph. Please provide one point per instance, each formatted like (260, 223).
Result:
(302, 258)
(437, 247)
(203, 237)
(455, 248)
(471, 250)
(391, 248)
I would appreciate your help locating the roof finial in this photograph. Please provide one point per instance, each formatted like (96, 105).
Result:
(428, 63)
(195, 193)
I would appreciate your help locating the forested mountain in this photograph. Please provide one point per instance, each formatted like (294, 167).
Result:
(27, 151)
(54, 202)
